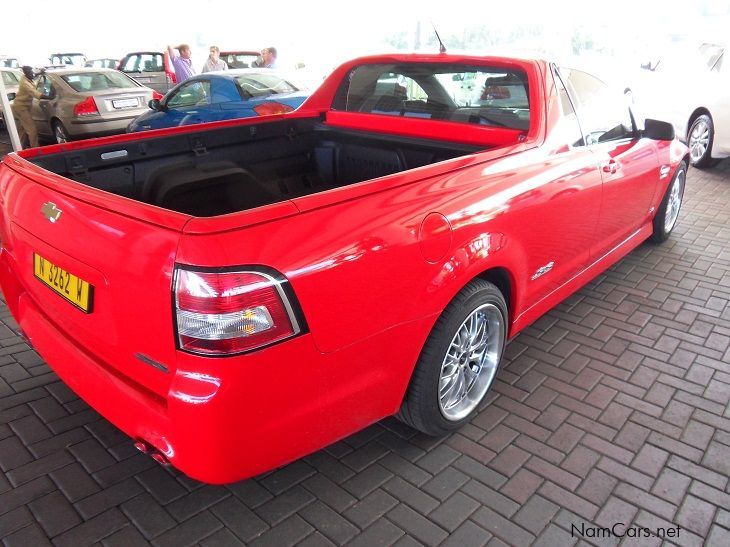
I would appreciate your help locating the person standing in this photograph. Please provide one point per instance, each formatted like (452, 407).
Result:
(267, 59)
(21, 108)
(214, 63)
(180, 58)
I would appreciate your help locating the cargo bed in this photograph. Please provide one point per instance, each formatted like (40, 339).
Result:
(231, 169)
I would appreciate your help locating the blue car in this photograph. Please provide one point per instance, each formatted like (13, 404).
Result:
(216, 96)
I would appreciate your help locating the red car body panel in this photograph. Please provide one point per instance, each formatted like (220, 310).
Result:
(372, 266)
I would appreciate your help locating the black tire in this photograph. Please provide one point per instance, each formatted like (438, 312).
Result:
(664, 226)
(701, 147)
(422, 407)
(60, 135)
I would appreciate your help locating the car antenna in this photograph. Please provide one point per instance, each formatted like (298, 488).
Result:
(442, 47)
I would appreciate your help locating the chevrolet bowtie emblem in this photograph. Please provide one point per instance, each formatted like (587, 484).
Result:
(51, 212)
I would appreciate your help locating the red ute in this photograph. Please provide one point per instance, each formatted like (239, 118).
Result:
(238, 294)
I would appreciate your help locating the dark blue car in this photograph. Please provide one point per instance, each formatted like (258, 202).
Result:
(216, 96)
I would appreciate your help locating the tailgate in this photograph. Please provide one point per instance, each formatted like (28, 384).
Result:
(126, 262)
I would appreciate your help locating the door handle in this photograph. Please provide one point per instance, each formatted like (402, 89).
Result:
(610, 167)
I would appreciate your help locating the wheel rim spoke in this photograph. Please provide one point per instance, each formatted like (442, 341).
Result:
(470, 364)
(674, 202)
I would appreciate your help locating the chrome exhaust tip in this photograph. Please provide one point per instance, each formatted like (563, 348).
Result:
(143, 446)
(146, 448)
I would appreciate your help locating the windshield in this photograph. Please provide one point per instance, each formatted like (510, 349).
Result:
(10, 78)
(456, 93)
(98, 81)
(261, 85)
(76, 59)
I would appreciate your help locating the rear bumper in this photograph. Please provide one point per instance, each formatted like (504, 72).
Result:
(99, 127)
(228, 419)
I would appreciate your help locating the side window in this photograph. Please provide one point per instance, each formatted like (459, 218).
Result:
(191, 94)
(603, 114)
(44, 85)
(568, 130)
(224, 91)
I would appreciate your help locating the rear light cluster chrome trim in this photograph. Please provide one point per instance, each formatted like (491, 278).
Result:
(278, 282)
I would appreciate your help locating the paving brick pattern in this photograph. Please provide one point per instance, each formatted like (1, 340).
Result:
(611, 408)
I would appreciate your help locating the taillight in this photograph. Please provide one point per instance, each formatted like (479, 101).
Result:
(87, 107)
(156, 95)
(266, 109)
(223, 313)
(171, 78)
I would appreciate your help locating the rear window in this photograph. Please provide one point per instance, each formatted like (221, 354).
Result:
(481, 95)
(262, 85)
(98, 81)
(10, 78)
(144, 62)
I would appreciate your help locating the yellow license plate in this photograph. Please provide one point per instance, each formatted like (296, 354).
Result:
(72, 288)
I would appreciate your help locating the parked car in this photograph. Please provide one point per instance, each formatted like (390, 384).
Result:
(239, 59)
(67, 59)
(9, 62)
(700, 112)
(238, 294)
(102, 63)
(221, 96)
(87, 102)
(150, 68)
(11, 79)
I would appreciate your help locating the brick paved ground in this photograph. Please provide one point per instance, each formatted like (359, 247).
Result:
(611, 408)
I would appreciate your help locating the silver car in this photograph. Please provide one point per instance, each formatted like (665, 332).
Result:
(11, 79)
(151, 68)
(86, 102)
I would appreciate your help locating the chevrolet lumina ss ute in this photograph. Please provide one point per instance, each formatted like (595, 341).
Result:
(236, 295)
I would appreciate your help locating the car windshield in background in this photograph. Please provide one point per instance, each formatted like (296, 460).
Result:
(239, 60)
(474, 95)
(98, 81)
(10, 78)
(261, 85)
(76, 59)
(712, 55)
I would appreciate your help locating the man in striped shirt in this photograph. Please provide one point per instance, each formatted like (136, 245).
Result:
(180, 58)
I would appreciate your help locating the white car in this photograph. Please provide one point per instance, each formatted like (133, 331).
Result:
(11, 79)
(699, 108)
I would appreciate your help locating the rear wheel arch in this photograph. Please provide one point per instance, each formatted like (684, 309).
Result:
(503, 279)
(696, 114)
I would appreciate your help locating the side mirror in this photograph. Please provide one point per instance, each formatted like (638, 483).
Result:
(156, 105)
(658, 131)
(457, 78)
(11, 96)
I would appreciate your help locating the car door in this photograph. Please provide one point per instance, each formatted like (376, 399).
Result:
(628, 163)
(226, 101)
(559, 216)
(42, 109)
(188, 104)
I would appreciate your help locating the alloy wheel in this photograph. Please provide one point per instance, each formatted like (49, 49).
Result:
(674, 202)
(699, 140)
(471, 361)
